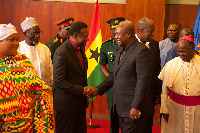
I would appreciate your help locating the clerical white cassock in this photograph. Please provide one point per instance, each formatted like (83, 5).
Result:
(180, 96)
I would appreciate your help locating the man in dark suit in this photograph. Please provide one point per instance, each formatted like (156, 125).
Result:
(145, 30)
(108, 53)
(130, 80)
(70, 79)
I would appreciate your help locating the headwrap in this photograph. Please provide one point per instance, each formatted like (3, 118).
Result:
(28, 23)
(187, 38)
(6, 30)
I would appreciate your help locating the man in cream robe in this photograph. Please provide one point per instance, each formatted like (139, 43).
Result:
(38, 53)
(180, 98)
(40, 56)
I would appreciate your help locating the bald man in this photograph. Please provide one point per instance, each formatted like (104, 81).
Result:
(145, 31)
(172, 53)
(130, 80)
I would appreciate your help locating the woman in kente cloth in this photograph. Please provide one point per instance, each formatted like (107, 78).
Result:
(26, 103)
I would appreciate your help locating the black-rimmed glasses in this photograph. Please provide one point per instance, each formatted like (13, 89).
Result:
(170, 30)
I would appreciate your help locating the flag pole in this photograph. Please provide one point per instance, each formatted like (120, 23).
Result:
(90, 124)
(95, 33)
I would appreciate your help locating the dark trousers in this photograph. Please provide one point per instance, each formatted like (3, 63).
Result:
(114, 121)
(128, 125)
(149, 124)
(66, 122)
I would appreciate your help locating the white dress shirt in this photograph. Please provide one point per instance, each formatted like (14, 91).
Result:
(146, 44)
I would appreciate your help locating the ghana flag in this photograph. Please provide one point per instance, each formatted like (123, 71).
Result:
(94, 75)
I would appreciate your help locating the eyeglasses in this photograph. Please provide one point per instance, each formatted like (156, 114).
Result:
(171, 30)
(35, 33)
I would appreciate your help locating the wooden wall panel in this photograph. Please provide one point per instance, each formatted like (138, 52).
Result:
(47, 13)
(184, 14)
(153, 9)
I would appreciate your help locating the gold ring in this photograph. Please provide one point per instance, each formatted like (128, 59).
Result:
(135, 117)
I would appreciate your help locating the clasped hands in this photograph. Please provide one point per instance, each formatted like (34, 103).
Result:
(90, 91)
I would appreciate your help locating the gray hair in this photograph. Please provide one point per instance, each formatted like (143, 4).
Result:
(144, 23)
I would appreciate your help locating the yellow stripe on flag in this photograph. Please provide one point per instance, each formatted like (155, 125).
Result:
(92, 63)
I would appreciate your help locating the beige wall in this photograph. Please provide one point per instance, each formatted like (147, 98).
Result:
(187, 2)
(93, 1)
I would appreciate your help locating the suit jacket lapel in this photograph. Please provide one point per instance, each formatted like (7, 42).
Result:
(150, 46)
(73, 53)
(85, 60)
(117, 56)
(128, 51)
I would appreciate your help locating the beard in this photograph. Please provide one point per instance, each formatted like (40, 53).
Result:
(35, 41)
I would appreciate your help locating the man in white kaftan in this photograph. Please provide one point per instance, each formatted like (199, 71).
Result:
(40, 56)
(38, 53)
(180, 98)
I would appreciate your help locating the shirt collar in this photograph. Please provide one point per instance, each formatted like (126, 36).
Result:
(139, 39)
(73, 44)
(28, 46)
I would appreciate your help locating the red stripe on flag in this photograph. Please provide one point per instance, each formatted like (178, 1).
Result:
(95, 27)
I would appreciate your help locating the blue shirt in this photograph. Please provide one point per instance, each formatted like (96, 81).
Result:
(165, 46)
(171, 54)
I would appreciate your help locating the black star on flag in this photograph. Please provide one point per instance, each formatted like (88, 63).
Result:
(95, 54)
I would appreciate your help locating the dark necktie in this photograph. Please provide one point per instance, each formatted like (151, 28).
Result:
(80, 56)
(121, 55)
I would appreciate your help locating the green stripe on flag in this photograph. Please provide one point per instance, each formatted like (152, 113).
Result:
(95, 78)
(92, 51)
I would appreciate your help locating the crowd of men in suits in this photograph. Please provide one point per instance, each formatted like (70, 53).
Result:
(134, 62)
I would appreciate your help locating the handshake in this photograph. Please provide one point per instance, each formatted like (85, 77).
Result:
(90, 91)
